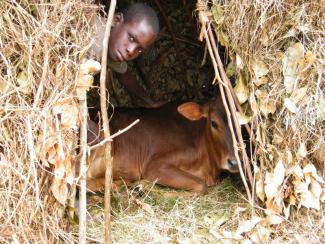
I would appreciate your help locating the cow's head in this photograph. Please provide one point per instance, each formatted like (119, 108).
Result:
(217, 129)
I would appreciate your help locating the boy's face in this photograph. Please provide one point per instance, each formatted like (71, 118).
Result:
(129, 39)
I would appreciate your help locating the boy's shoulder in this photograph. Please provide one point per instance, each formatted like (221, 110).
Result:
(119, 67)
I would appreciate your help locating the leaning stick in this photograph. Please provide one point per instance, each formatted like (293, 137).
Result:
(83, 170)
(232, 106)
(204, 20)
(103, 108)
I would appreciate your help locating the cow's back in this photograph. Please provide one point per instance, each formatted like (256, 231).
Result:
(160, 132)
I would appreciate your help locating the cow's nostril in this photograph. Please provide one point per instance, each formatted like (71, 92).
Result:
(233, 165)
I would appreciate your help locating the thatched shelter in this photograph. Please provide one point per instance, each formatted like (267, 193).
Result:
(265, 57)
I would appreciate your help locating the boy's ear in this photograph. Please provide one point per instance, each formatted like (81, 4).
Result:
(118, 19)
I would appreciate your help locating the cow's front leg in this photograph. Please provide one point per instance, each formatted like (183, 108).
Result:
(172, 176)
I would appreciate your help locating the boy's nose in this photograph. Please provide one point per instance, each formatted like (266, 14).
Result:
(131, 50)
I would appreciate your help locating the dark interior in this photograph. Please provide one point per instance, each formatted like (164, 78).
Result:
(176, 67)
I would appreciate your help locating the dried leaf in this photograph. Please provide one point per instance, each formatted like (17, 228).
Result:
(308, 200)
(298, 172)
(239, 62)
(3, 86)
(286, 211)
(241, 90)
(231, 69)
(298, 94)
(302, 151)
(89, 67)
(316, 188)
(242, 118)
(248, 225)
(267, 107)
(253, 104)
(310, 58)
(272, 206)
(311, 169)
(246, 241)
(260, 190)
(321, 109)
(68, 111)
(279, 173)
(261, 81)
(216, 220)
(83, 85)
(25, 85)
(260, 135)
(59, 170)
(223, 38)
(322, 197)
(146, 207)
(225, 235)
(85, 78)
(217, 13)
(260, 235)
(293, 56)
(290, 105)
(259, 69)
(60, 190)
(277, 139)
(274, 219)
(274, 181)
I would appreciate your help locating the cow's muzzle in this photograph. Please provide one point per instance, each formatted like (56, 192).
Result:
(233, 166)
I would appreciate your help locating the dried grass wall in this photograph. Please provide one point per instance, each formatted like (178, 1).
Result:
(41, 45)
(277, 56)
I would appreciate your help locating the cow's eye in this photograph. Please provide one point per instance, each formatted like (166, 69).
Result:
(214, 125)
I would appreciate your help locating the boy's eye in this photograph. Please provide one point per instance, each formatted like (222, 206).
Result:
(131, 38)
(140, 50)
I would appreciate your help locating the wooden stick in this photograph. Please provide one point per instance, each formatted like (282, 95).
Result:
(83, 171)
(231, 99)
(110, 138)
(103, 108)
(204, 20)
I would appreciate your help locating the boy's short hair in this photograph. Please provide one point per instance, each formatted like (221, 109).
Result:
(140, 11)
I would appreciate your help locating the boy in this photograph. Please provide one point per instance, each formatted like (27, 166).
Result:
(133, 31)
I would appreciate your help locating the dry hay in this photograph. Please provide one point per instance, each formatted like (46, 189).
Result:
(41, 44)
(145, 213)
(277, 55)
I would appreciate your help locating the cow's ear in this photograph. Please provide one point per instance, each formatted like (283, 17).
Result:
(190, 110)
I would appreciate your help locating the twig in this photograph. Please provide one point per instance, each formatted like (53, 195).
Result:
(226, 79)
(110, 138)
(231, 101)
(103, 108)
(83, 171)
(33, 160)
(204, 20)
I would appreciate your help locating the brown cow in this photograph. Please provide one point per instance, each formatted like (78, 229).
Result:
(183, 146)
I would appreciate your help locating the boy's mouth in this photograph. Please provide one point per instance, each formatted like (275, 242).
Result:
(119, 56)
